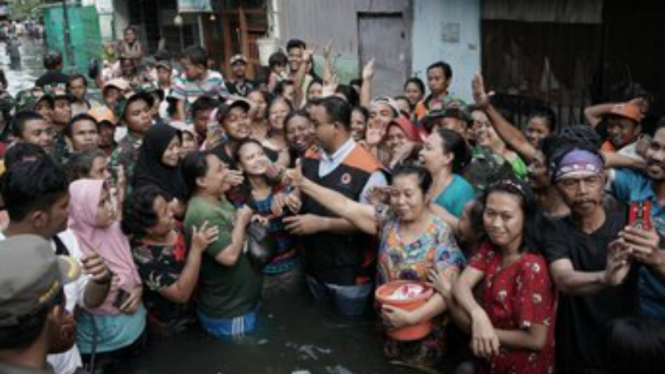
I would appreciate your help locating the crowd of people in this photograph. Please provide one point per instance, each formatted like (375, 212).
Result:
(182, 198)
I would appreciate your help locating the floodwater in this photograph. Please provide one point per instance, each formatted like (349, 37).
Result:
(32, 66)
(295, 335)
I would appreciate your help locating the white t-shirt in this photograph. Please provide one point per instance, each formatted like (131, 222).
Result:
(68, 362)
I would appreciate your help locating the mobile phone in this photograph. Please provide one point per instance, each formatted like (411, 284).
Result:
(639, 215)
(120, 298)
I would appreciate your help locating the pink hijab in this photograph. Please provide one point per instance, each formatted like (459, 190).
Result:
(109, 242)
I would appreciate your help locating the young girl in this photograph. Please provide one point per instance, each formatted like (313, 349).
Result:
(513, 324)
(114, 329)
(169, 270)
(272, 203)
(275, 142)
(259, 113)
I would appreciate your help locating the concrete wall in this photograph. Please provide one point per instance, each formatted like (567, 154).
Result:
(322, 21)
(448, 30)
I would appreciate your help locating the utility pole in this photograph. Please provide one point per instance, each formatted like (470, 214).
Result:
(68, 39)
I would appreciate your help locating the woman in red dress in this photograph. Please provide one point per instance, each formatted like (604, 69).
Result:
(512, 327)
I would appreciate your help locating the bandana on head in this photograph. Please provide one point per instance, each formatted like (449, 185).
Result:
(577, 163)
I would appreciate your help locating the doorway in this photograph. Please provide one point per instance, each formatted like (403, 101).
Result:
(383, 36)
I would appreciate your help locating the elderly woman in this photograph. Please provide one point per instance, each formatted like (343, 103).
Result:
(414, 242)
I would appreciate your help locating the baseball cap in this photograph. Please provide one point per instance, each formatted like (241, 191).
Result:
(118, 83)
(389, 101)
(224, 108)
(102, 113)
(628, 110)
(238, 58)
(28, 99)
(31, 276)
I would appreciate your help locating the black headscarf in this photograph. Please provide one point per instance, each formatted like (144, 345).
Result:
(150, 170)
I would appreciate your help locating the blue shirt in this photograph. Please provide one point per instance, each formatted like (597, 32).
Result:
(456, 195)
(629, 186)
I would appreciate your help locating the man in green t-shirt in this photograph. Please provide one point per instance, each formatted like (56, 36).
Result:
(229, 287)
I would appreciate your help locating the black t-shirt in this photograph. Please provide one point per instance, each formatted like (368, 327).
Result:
(53, 79)
(241, 88)
(582, 320)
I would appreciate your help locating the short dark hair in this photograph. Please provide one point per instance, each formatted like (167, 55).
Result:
(280, 89)
(29, 327)
(362, 110)
(22, 152)
(194, 166)
(547, 115)
(636, 345)
(295, 43)
(424, 177)
(197, 55)
(349, 93)
(80, 163)
(33, 185)
(294, 114)
(447, 70)
(277, 59)
(337, 110)
(138, 214)
(52, 60)
(204, 103)
(21, 118)
(75, 77)
(69, 129)
(417, 81)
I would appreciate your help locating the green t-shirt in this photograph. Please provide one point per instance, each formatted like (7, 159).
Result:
(224, 292)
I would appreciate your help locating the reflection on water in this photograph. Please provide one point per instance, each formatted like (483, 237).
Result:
(32, 66)
(295, 336)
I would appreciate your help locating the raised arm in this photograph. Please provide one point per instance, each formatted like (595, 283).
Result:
(360, 215)
(573, 282)
(299, 78)
(508, 133)
(366, 87)
(230, 255)
(181, 291)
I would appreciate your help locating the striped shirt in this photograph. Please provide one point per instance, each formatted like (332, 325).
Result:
(190, 90)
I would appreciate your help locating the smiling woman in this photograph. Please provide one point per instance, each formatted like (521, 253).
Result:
(414, 244)
(158, 162)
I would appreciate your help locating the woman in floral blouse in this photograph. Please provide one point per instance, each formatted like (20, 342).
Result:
(168, 270)
(413, 243)
(512, 326)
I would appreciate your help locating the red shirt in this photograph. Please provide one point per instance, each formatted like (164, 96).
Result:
(515, 298)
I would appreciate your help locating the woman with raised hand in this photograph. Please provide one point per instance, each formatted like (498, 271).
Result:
(116, 327)
(169, 270)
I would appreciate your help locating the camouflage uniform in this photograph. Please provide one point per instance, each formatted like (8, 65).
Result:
(125, 154)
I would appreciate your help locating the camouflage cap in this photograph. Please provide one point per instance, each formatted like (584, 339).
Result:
(28, 99)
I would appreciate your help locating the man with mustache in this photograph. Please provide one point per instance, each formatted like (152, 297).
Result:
(589, 265)
(630, 187)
